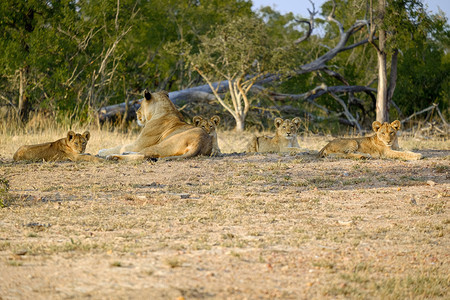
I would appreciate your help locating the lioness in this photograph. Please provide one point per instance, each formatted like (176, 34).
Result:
(165, 134)
(384, 143)
(68, 148)
(285, 138)
(210, 127)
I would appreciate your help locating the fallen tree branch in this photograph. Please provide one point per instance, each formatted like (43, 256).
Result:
(202, 94)
(347, 113)
(419, 112)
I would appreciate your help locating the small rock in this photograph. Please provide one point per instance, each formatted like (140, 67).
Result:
(413, 201)
(431, 183)
(345, 223)
(21, 252)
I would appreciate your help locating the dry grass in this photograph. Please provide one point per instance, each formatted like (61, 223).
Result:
(238, 226)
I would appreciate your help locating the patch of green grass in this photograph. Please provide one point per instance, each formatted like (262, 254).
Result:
(117, 264)
(5, 246)
(278, 166)
(235, 254)
(15, 263)
(435, 208)
(357, 218)
(300, 183)
(408, 180)
(174, 262)
(324, 264)
(441, 168)
(423, 286)
(322, 182)
(313, 203)
(430, 209)
(342, 290)
(53, 188)
(353, 181)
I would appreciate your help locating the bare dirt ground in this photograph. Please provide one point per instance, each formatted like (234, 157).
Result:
(240, 226)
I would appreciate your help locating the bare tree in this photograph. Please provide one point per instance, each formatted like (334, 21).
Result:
(239, 52)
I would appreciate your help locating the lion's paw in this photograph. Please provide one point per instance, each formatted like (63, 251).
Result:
(113, 157)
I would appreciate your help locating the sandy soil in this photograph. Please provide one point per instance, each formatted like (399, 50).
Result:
(240, 226)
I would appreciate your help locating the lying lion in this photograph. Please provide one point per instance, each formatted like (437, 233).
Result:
(383, 144)
(70, 148)
(285, 139)
(210, 127)
(165, 134)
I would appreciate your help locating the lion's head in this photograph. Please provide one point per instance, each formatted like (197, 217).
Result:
(209, 126)
(287, 128)
(387, 133)
(77, 142)
(156, 105)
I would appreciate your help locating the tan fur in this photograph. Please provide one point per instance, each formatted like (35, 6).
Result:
(140, 118)
(69, 148)
(383, 144)
(285, 139)
(210, 127)
(165, 134)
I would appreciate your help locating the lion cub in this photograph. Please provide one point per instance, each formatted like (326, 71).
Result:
(285, 138)
(384, 143)
(210, 127)
(69, 148)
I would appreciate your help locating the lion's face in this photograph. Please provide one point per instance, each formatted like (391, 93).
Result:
(209, 126)
(287, 128)
(387, 133)
(77, 142)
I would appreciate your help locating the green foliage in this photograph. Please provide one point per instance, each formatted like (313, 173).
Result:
(78, 55)
(424, 80)
(240, 47)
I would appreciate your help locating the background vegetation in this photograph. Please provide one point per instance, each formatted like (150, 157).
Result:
(70, 58)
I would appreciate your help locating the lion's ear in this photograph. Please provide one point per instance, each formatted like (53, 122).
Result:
(278, 122)
(296, 122)
(376, 125)
(196, 120)
(147, 95)
(70, 135)
(215, 119)
(87, 135)
(396, 125)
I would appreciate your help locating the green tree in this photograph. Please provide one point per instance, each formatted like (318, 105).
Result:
(240, 52)
(424, 78)
(393, 25)
(30, 47)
